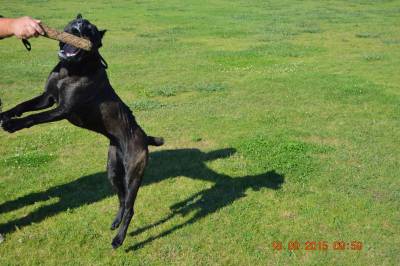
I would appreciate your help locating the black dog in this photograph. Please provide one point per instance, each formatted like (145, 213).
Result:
(84, 96)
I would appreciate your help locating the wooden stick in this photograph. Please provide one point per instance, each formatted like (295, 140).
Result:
(67, 38)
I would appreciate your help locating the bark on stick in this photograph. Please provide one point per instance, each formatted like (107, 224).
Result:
(67, 38)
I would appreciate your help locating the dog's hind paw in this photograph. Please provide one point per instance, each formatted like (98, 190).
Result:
(118, 219)
(115, 224)
(117, 242)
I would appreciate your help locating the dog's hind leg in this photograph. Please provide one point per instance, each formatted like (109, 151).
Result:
(40, 102)
(115, 173)
(133, 179)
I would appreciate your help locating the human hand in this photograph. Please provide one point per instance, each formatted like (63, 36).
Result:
(26, 27)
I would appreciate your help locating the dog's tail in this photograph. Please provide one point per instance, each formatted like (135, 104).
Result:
(155, 141)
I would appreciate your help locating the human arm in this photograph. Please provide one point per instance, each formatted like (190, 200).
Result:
(22, 28)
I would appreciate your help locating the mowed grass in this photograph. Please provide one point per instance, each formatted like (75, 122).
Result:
(281, 121)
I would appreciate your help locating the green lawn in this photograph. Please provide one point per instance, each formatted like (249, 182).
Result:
(281, 121)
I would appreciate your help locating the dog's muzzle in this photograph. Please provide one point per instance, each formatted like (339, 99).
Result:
(69, 52)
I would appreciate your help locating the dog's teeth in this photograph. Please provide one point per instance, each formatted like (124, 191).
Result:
(71, 54)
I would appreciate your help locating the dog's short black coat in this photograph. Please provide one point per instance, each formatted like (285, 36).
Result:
(83, 94)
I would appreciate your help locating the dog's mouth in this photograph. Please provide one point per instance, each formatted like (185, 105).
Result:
(68, 52)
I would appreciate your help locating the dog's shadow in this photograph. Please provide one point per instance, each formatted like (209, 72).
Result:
(163, 164)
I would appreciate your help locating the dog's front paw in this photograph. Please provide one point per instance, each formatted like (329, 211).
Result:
(4, 117)
(12, 125)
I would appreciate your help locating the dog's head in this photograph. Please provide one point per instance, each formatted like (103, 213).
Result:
(82, 28)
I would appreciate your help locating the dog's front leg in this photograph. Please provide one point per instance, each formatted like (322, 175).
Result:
(56, 114)
(40, 102)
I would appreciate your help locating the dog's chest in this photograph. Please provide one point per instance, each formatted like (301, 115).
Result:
(72, 83)
(64, 80)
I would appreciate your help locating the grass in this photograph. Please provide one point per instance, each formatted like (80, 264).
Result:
(281, 121)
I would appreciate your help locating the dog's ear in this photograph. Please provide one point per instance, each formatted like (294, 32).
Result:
(79, 16)
(102, 32)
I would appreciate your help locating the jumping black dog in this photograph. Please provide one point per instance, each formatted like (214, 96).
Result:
(83, 94)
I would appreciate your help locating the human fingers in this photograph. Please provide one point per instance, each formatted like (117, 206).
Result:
(30, 31)
(36, 25)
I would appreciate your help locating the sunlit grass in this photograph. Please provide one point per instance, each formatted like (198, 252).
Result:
(281, 121)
